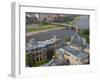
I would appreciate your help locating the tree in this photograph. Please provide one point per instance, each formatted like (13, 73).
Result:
(50, 53)
(29, 60)
(85, 33)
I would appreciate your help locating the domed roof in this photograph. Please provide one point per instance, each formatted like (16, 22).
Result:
(77, 40)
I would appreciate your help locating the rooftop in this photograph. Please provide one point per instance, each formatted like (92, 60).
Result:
(41, 44)
(79, 54)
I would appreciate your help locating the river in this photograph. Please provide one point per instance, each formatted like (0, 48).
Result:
(83, 23)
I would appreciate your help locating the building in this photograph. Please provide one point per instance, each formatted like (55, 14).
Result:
(74, 56)
(71, 52)
(38, 49)
(78, 42)
(74, 50)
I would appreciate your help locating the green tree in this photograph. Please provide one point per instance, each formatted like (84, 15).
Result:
(85, 33)
(29, 60)
(50, 53)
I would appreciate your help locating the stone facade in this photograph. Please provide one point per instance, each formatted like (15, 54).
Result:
(39, 53)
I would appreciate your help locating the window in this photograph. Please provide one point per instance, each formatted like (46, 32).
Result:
(36, 54)
(76, 59)
(37, 59)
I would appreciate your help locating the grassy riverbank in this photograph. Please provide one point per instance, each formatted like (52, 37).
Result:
(42, 27)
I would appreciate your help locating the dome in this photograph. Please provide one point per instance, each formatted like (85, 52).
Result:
(76, 40)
